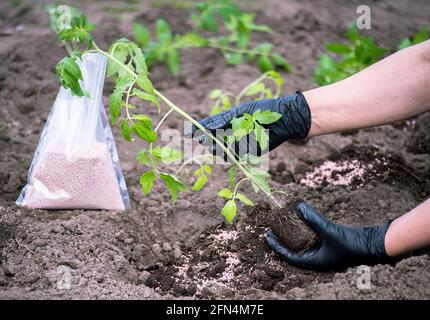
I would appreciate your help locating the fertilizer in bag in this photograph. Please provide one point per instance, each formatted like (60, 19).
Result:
(76, 164)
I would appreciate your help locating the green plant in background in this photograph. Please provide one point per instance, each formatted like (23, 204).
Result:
(127, 66)
(234, 43)
(257, 89)
(355, 55)
(165, 46)
(419, 37)
(359, 53)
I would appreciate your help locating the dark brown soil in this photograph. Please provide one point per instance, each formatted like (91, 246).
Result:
(420, 140)
(288, 226)
(157, 250)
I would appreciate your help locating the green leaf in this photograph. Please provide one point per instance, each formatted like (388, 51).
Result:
(146, 181)
(115, 103)
(69, 74)
(260, 177)
(198, 172)
(352, 33)
(338, 48)
(140, 63)
(244, 199)
(162, 30)
(226, 103)
(261, 136)
(143, 157)
(229, 210)
(255, 89)
(268, 93)
(124, 81)
(145, 84)
(144, 118)
(69, 81)
(72, 67)
(421, 36)
(326, 62)
(215, 94)
(147, 96)
(173, 62)
(225, 193)
(174, 184)
(126, 130)
(266, 117)
(120, 53)
(281, 61)
(251, 159)
(405, 43)
(207, 169)
(243, 34)
(141, 34)
(166, 154)
(191, 40)
(144, 131)
(233, 58)
(242, 126)
(208, 22)
(200, 183)
(265, 64)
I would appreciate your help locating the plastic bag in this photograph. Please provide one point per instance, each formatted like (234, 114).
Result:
(76, 165)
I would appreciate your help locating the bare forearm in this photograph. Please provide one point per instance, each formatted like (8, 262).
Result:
(396, 88)
(409, 232)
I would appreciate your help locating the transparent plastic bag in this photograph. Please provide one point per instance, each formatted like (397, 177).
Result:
(76, 164)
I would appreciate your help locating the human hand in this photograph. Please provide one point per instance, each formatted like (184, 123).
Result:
(340, 245)
(294, 124)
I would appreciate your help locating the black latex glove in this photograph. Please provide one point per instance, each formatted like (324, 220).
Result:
(340, 246)
(294, 124)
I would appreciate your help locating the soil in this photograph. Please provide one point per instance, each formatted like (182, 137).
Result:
(157, 250)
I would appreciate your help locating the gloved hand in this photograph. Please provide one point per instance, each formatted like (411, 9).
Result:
(294, 124)
(340, 246)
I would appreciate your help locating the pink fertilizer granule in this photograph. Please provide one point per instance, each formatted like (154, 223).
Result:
(84, 179)
(336, 173)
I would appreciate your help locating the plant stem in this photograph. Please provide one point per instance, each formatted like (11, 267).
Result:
(191, 160)
(232, 49)
(126, 102)
(115, 60)
(244, 90)
(237, 186)
(163, 119)
(156, 129)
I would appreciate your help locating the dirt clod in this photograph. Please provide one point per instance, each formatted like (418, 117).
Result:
(288, 226)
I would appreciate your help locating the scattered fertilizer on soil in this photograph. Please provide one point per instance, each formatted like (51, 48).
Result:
(342, 173)
(82, 179)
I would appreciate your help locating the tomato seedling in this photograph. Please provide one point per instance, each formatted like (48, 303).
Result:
(359, 53)
(127, 66)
